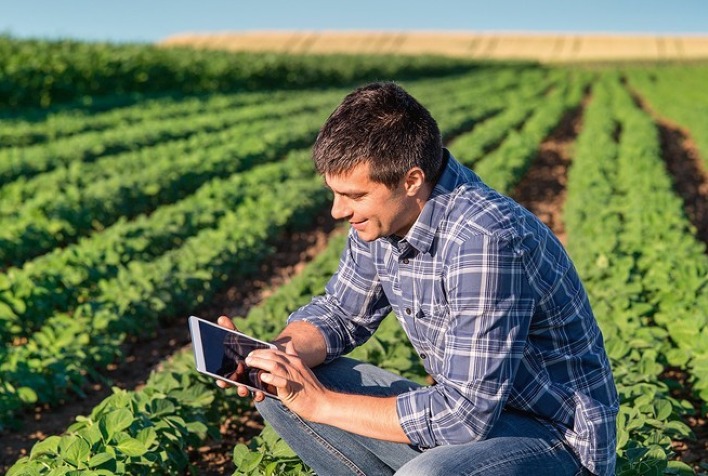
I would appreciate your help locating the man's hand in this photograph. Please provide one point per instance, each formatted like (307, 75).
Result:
(296, 385)
(225, 322)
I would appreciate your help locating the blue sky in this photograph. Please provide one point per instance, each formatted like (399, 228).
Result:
(152, 20)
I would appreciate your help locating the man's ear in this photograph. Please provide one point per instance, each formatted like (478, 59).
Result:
(414, 181)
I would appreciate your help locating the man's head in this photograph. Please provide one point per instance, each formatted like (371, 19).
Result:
(383, 125)
(380, 152)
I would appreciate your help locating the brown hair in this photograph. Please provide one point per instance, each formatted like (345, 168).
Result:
(382, 124)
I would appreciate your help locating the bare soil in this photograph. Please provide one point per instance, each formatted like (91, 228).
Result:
(145, 355)
(690, 176)
(683, 162)
(692, 452)
(542, 190)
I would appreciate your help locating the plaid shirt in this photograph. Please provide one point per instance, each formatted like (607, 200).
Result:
(495, 309)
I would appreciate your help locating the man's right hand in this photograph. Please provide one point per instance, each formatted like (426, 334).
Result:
(225, 322)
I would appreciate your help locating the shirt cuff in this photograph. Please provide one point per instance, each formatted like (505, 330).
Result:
(413, 409)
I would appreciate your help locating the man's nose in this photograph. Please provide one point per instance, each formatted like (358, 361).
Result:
(340, 210)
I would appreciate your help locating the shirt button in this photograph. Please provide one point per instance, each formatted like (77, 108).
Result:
(408, 311)
(423, 356)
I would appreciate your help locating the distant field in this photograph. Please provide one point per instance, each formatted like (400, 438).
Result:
(541, 47)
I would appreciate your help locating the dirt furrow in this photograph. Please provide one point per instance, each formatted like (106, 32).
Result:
(688, 172)
(542, 190)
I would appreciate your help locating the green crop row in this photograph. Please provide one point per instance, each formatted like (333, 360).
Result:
(53, 282)
(69, 348)
(95, 145)
(87, 147)
(670, 260)
(59, 280)
(493, 89)
(42, 73)
(139, 432)
(504, 167)
(55, 125)
(475, 109)
(50, 220)
(479, 85)
(490, 134)
(16, 284)
(649, 417)
(677, 93)
(27, 193)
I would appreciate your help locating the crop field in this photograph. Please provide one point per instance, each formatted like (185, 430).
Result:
(140, 185)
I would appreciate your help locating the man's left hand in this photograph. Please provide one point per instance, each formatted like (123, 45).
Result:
(296, 385)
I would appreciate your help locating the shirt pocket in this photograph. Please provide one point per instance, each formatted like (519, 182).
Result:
(431, 321)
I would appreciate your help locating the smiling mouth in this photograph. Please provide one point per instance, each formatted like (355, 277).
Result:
(358, 224)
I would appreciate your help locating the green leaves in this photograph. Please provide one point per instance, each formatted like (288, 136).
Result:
(116, 421)
(139, 433)
(60, 71)
(630, 247)
(267, 454)
(131, 447)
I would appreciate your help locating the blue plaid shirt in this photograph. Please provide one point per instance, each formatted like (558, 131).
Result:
(495, 309)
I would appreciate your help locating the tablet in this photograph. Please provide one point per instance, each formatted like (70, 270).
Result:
(221, 353)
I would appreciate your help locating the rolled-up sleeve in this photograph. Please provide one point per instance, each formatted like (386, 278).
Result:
(353, 305)
(490, 308)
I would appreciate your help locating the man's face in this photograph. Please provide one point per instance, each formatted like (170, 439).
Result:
(372, 209)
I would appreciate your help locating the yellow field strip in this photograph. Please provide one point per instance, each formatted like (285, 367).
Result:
(541, 47)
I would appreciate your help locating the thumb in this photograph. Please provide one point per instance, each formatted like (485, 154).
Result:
(224, 321)
(290, 348)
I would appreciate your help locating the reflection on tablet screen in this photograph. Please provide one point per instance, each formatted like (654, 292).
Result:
(225, 354)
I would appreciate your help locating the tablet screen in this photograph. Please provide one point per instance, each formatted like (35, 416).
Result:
(224, 353)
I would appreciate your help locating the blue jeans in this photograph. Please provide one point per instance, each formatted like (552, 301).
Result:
(518, 445)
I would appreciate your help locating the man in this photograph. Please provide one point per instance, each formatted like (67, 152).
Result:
(485, 292)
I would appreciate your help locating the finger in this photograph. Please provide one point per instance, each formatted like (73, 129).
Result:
(224, 321)
(272, 354)
(271, 362)
(277, 381)
(242, 391)
(290, 348)
(259, 397)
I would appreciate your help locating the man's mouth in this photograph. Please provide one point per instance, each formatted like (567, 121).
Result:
(359, 224)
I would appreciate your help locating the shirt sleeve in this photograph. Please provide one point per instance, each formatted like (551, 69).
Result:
(490, 305)
(353, 305)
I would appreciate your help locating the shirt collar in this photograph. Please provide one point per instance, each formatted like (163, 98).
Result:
(421, 234)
